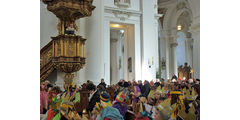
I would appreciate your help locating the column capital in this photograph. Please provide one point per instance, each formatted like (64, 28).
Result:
(175, 44)
(195, 28)
(173, 39)
(190, 42)
(188, 34)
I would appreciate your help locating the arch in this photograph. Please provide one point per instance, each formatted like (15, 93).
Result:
(172, 15)
(178, 14)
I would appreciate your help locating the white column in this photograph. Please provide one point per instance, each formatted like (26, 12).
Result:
(174, 58)
(189, 47)
(195, 30)
(167, 58)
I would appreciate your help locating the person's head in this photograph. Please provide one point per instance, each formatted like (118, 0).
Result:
(91, 87)
(102, 80)
(145, 82)
(157, 115)
(101, 88)
(55, 90)
(135, 83)
(157, 95)
(139, 82)
(151, 83)
(197, 89)
(104, 97)
(43, 86)
(73, 88)
(197, 81)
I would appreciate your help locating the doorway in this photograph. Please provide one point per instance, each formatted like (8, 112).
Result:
(121, 52)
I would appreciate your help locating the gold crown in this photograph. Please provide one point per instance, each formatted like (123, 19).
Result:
(176, 92)
(166, 108)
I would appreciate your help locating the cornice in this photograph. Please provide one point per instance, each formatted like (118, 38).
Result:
(125, 11)
(168, 3)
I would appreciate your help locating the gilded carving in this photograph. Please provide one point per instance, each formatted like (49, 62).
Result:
(66, 51)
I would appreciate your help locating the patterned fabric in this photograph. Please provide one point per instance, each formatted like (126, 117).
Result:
(121, 107)
(43, 100)
(50, 114)
(57, 117)
(77, 97)
(151, 94)
(137, 93)
(120, 97)
(111, 113)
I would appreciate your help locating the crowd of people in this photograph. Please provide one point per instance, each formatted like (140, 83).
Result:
(174, 99)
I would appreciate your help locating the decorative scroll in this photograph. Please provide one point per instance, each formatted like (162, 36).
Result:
(70, 10)
(46, 65)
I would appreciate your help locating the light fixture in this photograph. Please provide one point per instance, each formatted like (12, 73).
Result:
(122, 31)
(179, 27)
(115, 25)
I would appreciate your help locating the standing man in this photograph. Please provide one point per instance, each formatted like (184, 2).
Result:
(93, 98)
(146, 88)
(102, 83)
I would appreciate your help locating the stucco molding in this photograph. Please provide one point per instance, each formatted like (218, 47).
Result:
(122, 14)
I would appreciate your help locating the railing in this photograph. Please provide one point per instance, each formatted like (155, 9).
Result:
(64, 53)
(46, 65)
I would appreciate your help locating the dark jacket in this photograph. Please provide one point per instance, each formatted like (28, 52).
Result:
(103, 84)
(146, 90)
(95, 98)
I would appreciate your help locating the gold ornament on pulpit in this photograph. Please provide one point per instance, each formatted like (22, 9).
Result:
(68, 49)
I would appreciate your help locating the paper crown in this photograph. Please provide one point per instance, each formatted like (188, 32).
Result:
(121, 96)
(104, 97)
(176, 92)
(160, 90)
(180, 95)
(187, 116)
(166, 108)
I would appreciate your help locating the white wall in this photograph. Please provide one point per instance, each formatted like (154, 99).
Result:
(134, 4)
(48, 25)
(95, 65)
(149, 40)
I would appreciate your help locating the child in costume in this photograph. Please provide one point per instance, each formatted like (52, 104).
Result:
(55, 102)
(104, 109)
(120, 104)
(176, 98)
(135, 93)
(43, 98)
(140, 110)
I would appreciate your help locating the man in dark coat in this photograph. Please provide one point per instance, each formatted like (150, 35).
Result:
(103, 83)
(146, 88)
(93, 97)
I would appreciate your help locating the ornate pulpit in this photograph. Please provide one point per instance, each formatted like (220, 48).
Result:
(66, 51)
